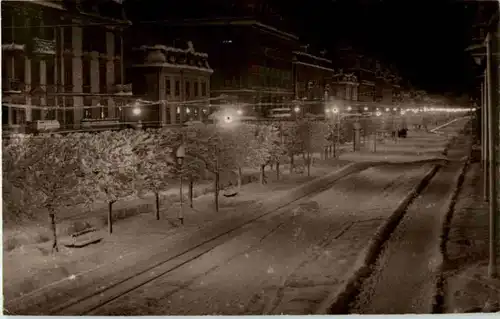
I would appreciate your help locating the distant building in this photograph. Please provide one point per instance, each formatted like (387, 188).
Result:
(62, 54)
(171, 75)
(250, 53)
(313, 76)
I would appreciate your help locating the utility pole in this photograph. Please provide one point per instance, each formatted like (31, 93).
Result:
(492, 48)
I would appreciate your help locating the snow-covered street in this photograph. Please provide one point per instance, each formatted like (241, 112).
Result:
(282, 264)
(405, 276)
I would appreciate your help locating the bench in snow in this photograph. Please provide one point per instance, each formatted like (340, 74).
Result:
(84, 238)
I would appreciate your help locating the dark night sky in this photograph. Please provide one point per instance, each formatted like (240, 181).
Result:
(424, 39)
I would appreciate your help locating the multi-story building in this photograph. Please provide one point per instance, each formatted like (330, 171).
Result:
(313, 76)
(58, 58)
(250, 56)
(177, 79)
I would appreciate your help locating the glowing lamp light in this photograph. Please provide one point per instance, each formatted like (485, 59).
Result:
(403, 112)
(327, 110)
(387, 109)
(395, 109)
(297, 109)
(188, 110)
(239, 112)
(136, 111)
(378, 113)
(335, 110)
(228, 119)
(349, 108)
(366, 108)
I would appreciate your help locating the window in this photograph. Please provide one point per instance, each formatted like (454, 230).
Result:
(177, 88)
(118, 72)
(68, 38)
(118, 43)
(19, 69)
(168, 88)
(51, 76)
(104, 109)
(203, 88)
(35, 73)
(68, 74)
(86, 75)
(188, 89)
(196, 89)
(103, 87)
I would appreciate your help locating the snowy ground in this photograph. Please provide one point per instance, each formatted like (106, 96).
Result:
(140, 241)
(404, 277)
(30, 269)
(283, 264)
(468, 288)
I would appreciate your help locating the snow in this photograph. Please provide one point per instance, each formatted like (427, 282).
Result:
(190, 49)
(282, 260)
(140, 237)
(404, 278)
(468, 288)
(177, 66)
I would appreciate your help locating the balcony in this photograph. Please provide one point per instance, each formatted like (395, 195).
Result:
(43, 47)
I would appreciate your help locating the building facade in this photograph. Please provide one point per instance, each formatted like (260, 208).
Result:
(176, 80)
(313, 80)
(252, 62)
(60, 57)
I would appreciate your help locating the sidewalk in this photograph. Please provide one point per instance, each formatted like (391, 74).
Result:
(404, 277)
(71, 218)
(468, 288)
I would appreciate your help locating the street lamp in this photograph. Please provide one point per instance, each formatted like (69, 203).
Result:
(240, 112)
(366, 108)
(387, 109)
(136, 110)
(180, 154)
(228, 119)
(349, 108)
(378, 113)
(297, 109)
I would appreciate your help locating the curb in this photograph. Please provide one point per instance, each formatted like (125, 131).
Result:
(437, 306)
(338, 301)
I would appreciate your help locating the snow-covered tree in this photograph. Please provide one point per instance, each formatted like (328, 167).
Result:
(110, 167)
(263, 147)
(292, 142)
(206, 144)
(155, 162)
(47, 168)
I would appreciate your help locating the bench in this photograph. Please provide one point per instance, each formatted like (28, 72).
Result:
(84, 238)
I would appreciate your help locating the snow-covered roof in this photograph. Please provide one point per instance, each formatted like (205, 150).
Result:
(165, 48)
(178, 66)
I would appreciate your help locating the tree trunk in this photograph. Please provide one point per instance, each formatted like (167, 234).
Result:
(326, 153)
(52, 217)
(308, 164)
(110, 217)
(262, 174)
(157, 199)
(291, 164)
(278, 171)
(240, 176)
(191, 186)
(216, 192)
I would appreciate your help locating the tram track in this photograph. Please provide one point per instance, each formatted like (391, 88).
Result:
(101, 297)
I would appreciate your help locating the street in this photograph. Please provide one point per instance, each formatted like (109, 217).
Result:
(287, 259)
